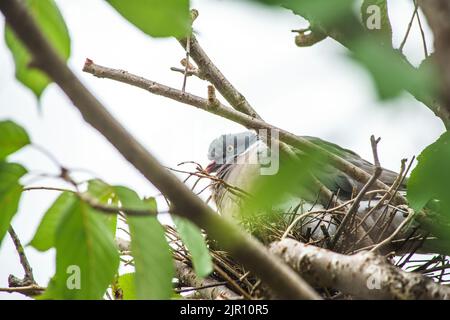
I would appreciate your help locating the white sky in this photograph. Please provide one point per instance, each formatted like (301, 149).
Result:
(314, 91)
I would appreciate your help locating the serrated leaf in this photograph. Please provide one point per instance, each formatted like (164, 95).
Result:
(194, 241)
(157, 18)
(150, 250)
(127, 284)
(86, 256)
(10, 193)
(52, 25)
(44, 238)
(12, 138)
(430, 179)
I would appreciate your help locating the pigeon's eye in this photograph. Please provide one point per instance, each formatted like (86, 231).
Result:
(230, 148)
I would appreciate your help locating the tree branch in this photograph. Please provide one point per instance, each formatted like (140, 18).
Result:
(233, 115)
(211, 73)
(363, 275)
(28, 271)
(279, 277)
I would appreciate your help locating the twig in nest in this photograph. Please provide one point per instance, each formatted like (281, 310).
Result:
(354, 208)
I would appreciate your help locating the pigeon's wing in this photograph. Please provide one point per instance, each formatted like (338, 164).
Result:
(335, 179)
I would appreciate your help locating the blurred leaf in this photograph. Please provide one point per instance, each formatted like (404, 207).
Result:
(52, 25)
(390, 72)
(194, 241)
(294, 178)
(86, 256)
(151, 252)
(127, 285)
(10, 192)
(370, 10)
(157, 18)
(316, 11)
(12, 138)
(430, 180)
(44, 237)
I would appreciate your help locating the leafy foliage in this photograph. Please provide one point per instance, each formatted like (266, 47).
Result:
(150, 250)
(44, 238)
(390, 73)
(194, 241)
(430, 180)
(157, 18)
(85, 253)
(10, 192)
(385, 30)
(127, 284)
(104, 194)
(52, 25)
(293, 177)
(12, 138)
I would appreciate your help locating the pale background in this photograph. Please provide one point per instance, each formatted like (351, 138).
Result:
(312, 91)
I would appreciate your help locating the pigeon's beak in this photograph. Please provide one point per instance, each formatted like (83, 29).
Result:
(212, 167)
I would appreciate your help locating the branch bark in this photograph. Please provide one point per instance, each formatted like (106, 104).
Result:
(363, 275)
(279, 277)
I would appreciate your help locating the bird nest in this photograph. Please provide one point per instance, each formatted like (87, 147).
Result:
(230, 280)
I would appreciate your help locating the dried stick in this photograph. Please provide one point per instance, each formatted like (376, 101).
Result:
(363, 275)
(354, 208)
(279, 277)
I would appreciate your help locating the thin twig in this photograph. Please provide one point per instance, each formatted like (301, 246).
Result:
(28, 278)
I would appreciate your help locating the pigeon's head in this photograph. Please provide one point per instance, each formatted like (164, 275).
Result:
(224, 149)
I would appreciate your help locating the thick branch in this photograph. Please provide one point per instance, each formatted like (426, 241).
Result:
(252, 254)
(364, 275)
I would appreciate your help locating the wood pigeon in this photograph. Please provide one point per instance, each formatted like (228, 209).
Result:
(236, 160)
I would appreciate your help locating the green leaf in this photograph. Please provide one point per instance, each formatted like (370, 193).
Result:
(430, 179)
(12, 138)
(375, 17)
(157, 18)
(10, 192)
(390, 72)
(294, 177)
(127, 284)
(194, 241)
(86, 256)
(52, 25)
(104, 194)
(316, 10)
(150, 250)
(44, 238)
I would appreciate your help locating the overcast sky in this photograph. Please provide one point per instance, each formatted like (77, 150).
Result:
(314, 91)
